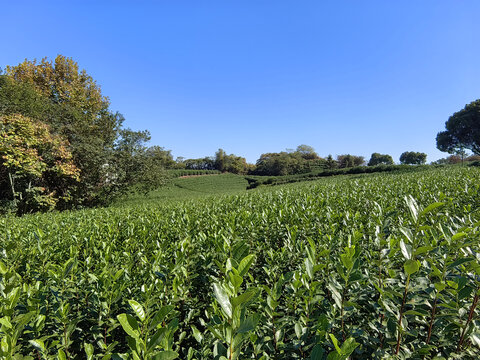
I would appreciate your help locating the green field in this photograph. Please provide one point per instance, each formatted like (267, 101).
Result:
(384, 266)
(191, 187)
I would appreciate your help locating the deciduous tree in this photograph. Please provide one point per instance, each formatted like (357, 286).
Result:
(380, 159)
(346, 161)
(462, 130)
(36, 168)
(413, 158)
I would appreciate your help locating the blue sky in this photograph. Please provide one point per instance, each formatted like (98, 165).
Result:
(262, 76)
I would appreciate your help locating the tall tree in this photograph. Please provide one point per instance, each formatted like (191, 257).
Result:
(413, 158)
(66, 98)
(220, 160)
(462, 130)
(330, 163)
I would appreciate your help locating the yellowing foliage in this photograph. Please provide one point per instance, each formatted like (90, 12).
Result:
(35, 165)
(61, 81)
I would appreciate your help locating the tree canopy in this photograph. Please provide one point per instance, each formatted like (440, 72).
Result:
(380, 159)
(462, 130)
(413, 158)
(307, 152)
(346, 161)
(230, 163)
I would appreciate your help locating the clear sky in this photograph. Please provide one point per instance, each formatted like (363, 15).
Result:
(261, 76)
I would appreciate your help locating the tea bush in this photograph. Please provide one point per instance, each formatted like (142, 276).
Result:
(382, 267)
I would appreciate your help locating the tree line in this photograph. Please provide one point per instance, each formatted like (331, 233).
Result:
(62, 146)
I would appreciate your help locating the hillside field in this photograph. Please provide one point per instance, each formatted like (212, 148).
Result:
(384, 266)
(189, 187)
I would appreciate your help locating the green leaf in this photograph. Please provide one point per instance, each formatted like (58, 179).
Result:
(156, 338)
(465, 292)
(243, 298)
(245, 264)
(118, 274)
(440, 286)
(197, 334)
(248, 324)
(423, 249)
(118, 356)
(61, 355)
(411, 266)
(235, 280)
(165, 355)
(335, 343)
(346, 261)
(309, 268)
(431, 207)
(298, 330)
(37, 344)
(459, 236)
(223, 299)
(5, 321)
(406, 250)
(160, 316)
(412, 206)
(3, 268)
(68, 267)
(318, 353)
(337, 297)
(416, 313)
(129, 325)
(460, 262)
(138, 309)
(88, 350)
(349, 346)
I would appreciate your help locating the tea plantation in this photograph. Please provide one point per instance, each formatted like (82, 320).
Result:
(377, 267)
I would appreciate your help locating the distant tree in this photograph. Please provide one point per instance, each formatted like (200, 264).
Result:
(36, 169)
(206, 163)
(473, 158)
(230, 163)
(347, 161)
(452, 159)
(380, 159)
(462, 130)
(330, 163)
(307, 152)
(135, 166)
(413, 158)
(161, 156)
(220, 160)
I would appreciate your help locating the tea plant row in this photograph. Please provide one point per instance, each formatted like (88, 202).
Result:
(379, 267)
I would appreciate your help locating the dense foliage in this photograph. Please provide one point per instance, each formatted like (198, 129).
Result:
(66, 99)
(380, 159)
(304, 159)
(462, 130)
(36, 168)
(378, 267)
(348, 161)
(255, 181)
(413, 158)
